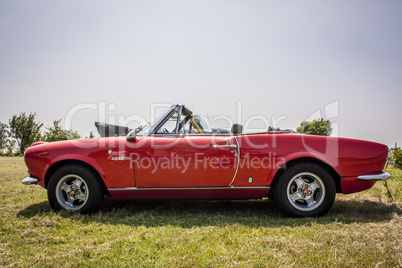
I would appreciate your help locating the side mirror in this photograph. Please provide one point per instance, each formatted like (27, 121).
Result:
(131, 136)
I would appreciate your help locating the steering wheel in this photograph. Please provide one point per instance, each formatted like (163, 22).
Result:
(164, 130)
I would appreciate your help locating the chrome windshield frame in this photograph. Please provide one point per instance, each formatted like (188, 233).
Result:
(156, 127)
(161, 120)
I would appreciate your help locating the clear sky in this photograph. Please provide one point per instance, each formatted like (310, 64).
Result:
(279, 59)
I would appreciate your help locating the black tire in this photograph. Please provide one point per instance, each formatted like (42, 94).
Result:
(305, 190)
(74, 187)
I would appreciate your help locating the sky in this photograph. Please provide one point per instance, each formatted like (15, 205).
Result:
(257, 62)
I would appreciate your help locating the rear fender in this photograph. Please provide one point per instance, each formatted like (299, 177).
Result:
(301, 155)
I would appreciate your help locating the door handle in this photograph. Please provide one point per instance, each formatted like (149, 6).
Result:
(233, 146)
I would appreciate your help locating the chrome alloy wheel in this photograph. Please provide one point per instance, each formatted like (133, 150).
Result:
(72, 192)
(305, 191)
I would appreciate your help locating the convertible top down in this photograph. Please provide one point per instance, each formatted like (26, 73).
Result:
(180, 157)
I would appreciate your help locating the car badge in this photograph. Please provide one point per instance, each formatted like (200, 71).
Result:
(119, 158)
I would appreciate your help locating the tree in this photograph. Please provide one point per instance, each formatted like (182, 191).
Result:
(57, 133)
(316, 127)
(396, 157)
(11, 148)
(91, 135)
(4, 134)
(25, 130)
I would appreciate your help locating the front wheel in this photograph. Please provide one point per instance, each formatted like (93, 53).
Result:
(305, 190)
(75, 188)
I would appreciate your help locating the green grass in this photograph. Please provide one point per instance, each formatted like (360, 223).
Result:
(361, 230)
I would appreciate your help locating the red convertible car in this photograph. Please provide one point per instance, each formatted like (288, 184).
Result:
(179, 157)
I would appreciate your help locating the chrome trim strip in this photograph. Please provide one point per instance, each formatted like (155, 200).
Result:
(192, 188)
(29, 180)
(238, 161)
(381, 176)
(233, 146)
(189, 134)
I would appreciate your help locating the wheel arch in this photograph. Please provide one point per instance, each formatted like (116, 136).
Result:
(294, 162)
(53, 168)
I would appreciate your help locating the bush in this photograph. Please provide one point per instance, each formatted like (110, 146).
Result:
(396, 157)
(316, 127)
(57, 133)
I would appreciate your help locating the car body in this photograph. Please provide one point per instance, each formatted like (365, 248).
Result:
(178, 157)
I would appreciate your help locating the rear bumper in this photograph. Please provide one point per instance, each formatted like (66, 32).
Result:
(29, 180)
(380, 176)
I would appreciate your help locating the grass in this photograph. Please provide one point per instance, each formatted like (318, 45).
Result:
(361, 230)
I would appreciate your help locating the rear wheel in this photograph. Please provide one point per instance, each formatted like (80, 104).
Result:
(305, 190)
(75, 188)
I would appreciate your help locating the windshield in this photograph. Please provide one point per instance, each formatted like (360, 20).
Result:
(177, 119)
(156, 122)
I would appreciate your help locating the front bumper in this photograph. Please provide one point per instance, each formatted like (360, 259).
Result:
(380, 176)
(29, 180)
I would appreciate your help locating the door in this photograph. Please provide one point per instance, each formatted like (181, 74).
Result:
(185, 161)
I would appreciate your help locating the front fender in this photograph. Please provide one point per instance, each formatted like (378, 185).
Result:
(81, 158)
